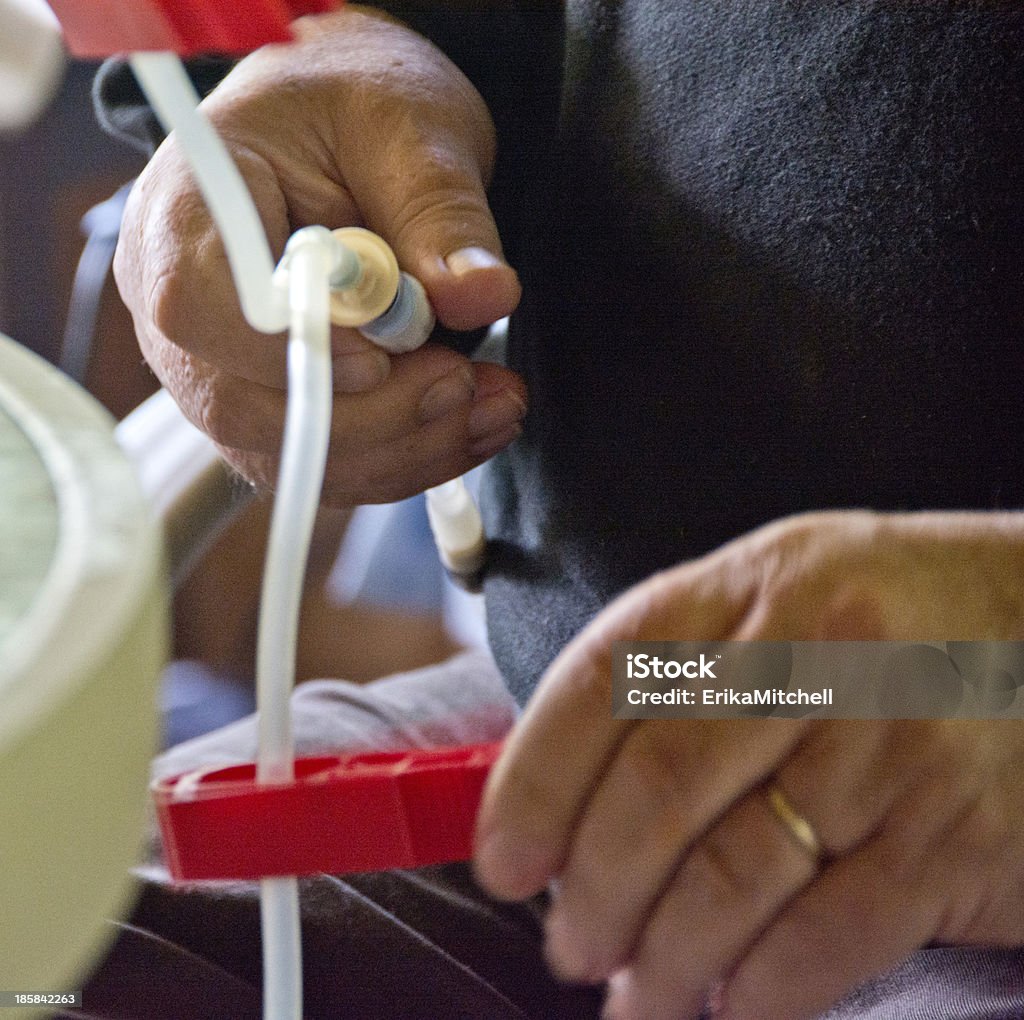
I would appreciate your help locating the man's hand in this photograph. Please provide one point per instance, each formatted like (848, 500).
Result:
(671, 874)
(364, 123)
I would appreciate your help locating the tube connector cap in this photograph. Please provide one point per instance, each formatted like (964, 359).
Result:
(374, 290)
(458, 528)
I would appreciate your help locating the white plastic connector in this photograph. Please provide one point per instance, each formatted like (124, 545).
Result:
(407, 324)
(360, 299)
(457, 526)
(387, 306)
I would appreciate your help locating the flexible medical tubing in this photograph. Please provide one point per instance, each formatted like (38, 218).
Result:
(457, 528)
(170, 92)
(308, 265)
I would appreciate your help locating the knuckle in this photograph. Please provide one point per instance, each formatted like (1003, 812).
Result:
(125, 267)
(655, 763)
(215, 415)
(128, 261)
(726, 869)
(851, 611)
(441, 201)
(983, 834)
(167, 251)
(168, 299)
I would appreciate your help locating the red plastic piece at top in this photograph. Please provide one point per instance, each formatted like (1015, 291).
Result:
(102, 28)
(341, 814)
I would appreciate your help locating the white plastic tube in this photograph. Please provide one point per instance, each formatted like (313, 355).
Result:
(173, 98)
(457, 527)
(308, 264)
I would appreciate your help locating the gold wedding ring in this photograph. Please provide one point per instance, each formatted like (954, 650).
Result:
(798, 826)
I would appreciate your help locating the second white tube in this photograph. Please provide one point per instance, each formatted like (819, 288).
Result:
(308, 263)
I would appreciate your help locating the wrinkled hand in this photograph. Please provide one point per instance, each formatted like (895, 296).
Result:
(360, 123)
(671, 875)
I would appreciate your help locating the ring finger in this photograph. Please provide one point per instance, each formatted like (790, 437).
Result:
(730, 885)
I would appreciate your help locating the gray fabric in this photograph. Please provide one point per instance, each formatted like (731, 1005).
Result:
(943, 984)
(462, 702)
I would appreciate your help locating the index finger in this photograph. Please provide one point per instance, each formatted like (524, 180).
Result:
(567, 739)
(539, 784)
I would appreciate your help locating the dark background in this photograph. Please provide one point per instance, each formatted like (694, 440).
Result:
(51, 173)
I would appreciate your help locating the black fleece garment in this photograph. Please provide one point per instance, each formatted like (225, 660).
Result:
(772, 262)
(779, 268)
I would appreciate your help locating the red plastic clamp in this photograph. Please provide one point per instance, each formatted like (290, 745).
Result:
(102, 28)
(341, 814)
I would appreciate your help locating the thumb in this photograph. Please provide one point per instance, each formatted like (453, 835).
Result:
(435, 215)
(419, 181)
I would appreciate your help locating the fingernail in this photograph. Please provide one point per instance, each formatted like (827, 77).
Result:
(487, 446)
(563, 950)
(616, 997)
(510, 866)
(715, 1006)
(466, 260)
(447, 394)
(718, 1006)
(356, 373)
(496, 412)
